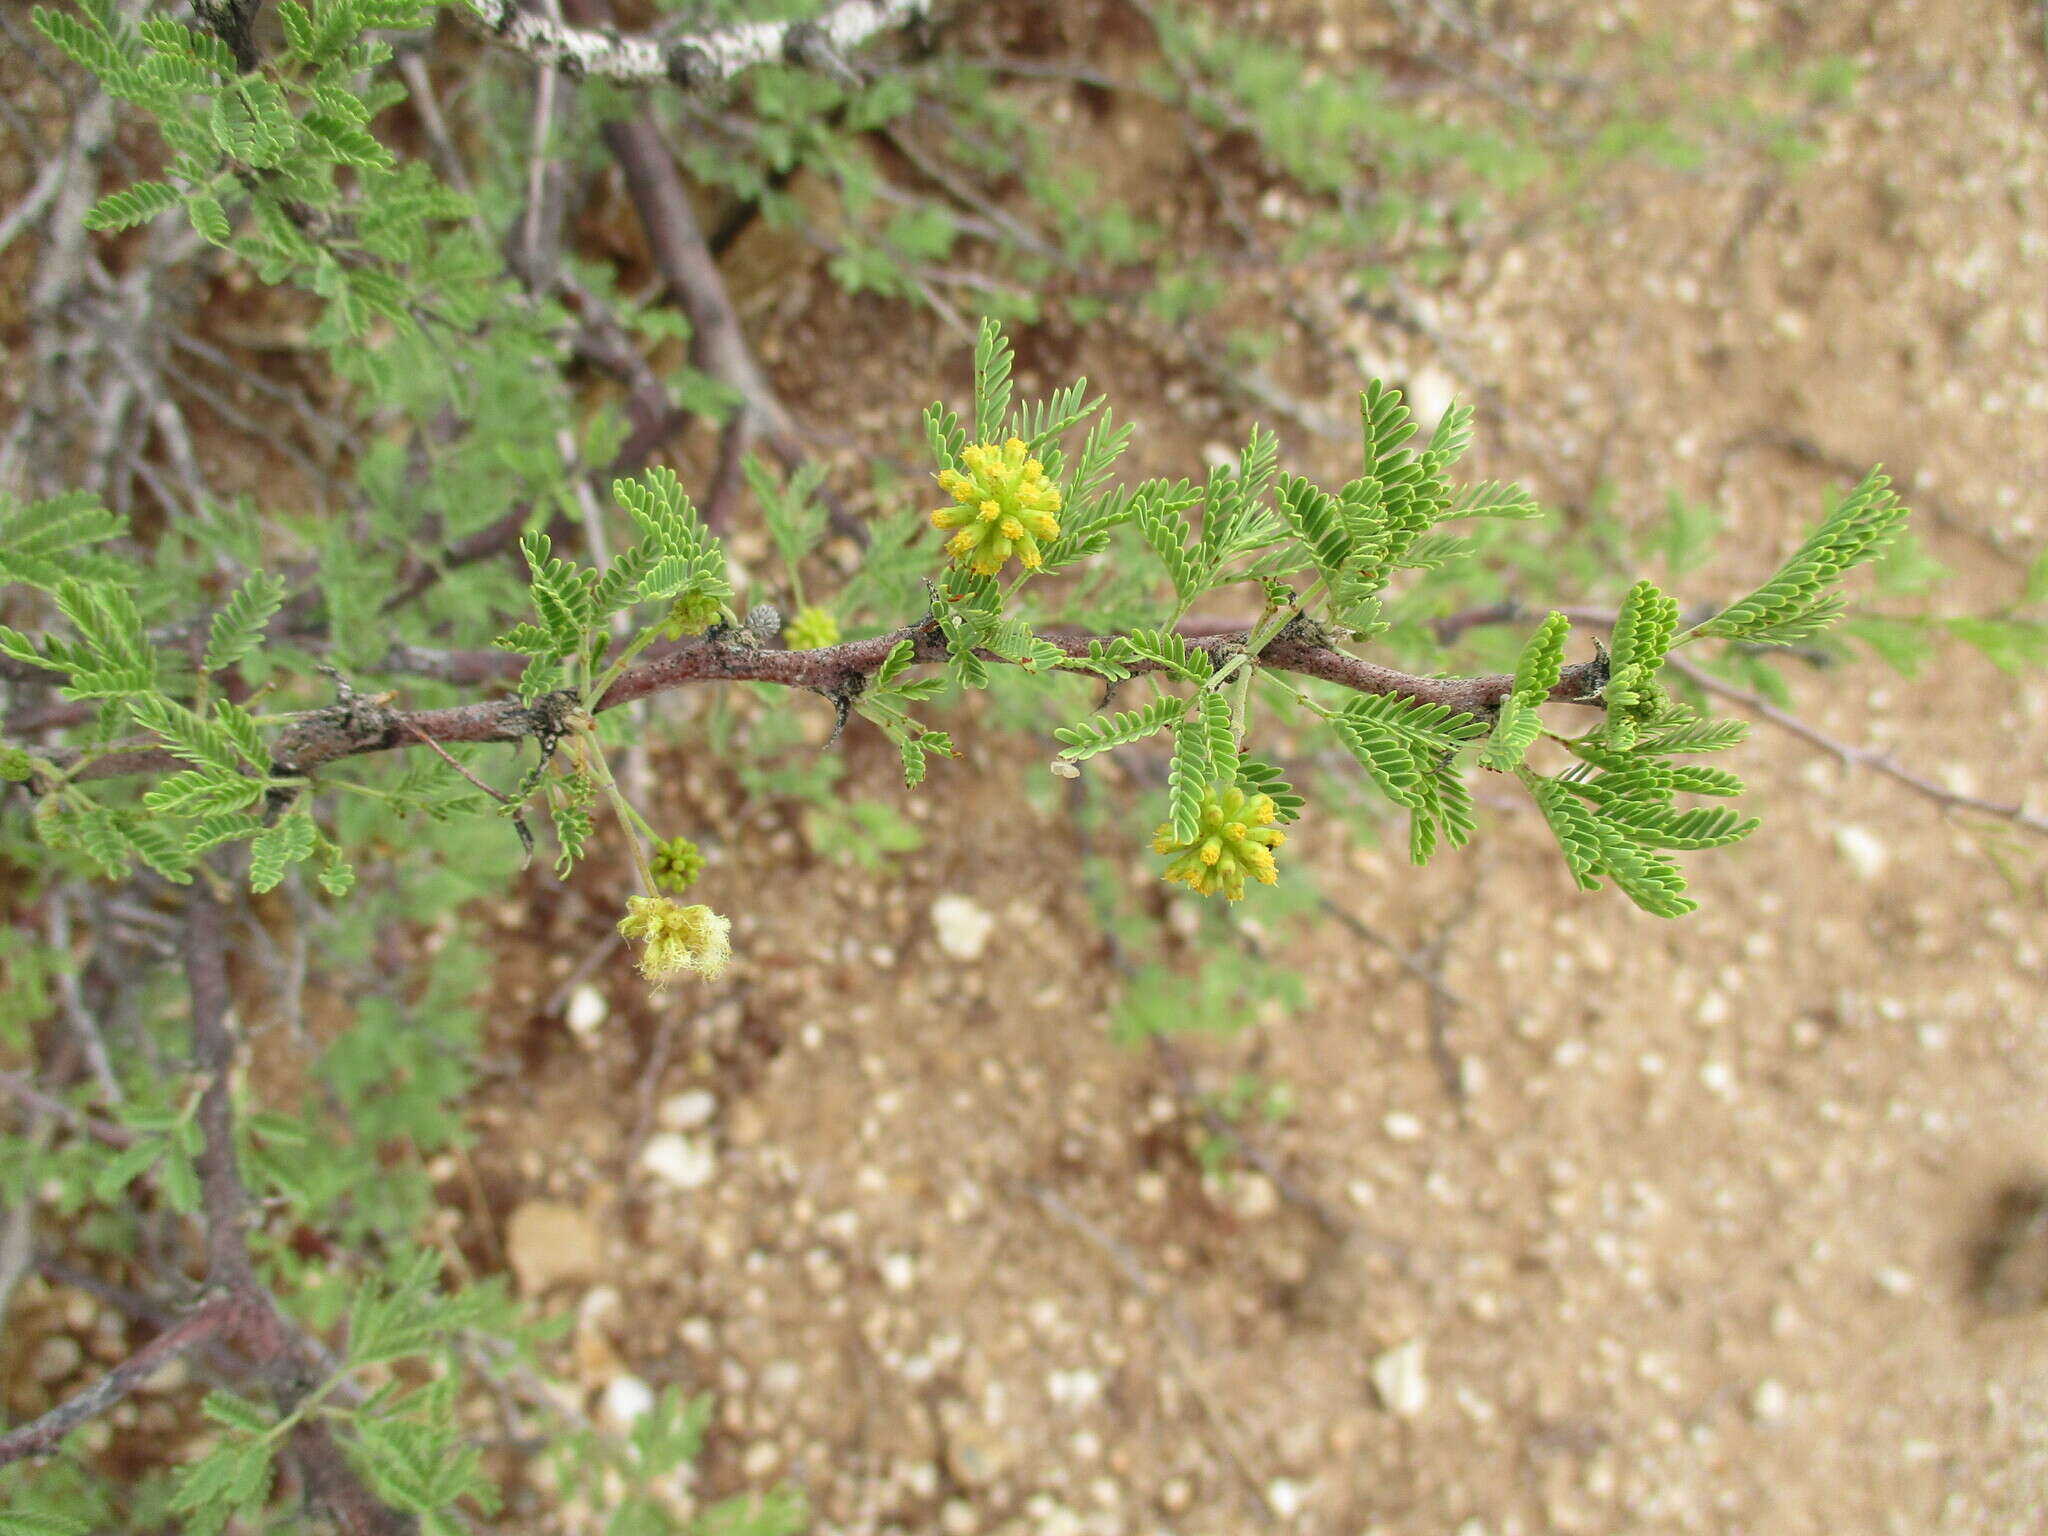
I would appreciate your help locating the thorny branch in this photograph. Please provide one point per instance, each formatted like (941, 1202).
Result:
(213, 1320)
(328, 735)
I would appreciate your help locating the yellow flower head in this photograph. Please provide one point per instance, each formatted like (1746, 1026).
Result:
(675, 863)
(1235, 838)
(812, 629)
(677, 938)
(1003, 506)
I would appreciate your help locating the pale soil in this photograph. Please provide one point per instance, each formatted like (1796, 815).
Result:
(1701, 1246)
(1700, 1251)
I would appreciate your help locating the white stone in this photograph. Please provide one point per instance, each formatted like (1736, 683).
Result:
(626, 1398)
(1284, 1497)
(1398, 1376)
(962, 926)
(1401, 1126)
(1862, 850)
(899, 1271)
(689, 1110)
(1073, 1390)
(1769, 1402)
(588, 1009)
(687, 1162)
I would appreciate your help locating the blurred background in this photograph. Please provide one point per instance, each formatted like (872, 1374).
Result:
(995, 1189)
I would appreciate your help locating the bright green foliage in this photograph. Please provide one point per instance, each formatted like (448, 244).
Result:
(1644, 632)
(1536, 673)
(1409, 748)
(1800, 601)
(792, 510)
(1107, 731)
(992, 363)
(238, 628)
(137, 205)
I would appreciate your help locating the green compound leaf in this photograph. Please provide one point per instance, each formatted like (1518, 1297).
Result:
(1572, 824)
(1536, 673)
(1659, 826)
(1264, 779)
(235, 1412)
(185, 734)
(279, 847)
(1693, 735)
(198, 791)
(1795, 603)
(992, 363)
(1491, 498)
(1645, 628)
(1157, 512)
(944, 434)
(208, 217)
(1318, 522)
(1213, 712)
(1409, 750)
(1105, 732)
(239, 626)
(562, 594)
(134, 205)
(1187, 780)
(221, 827)
(895, 664)
(1402, 743)
(1167, 650)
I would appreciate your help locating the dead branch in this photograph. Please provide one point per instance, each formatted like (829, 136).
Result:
(692, 60)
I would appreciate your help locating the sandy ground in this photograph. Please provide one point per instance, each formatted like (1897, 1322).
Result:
(1709, 1237)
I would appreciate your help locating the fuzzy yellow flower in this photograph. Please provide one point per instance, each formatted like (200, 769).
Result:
(1004, 506)
(1235, 838)
(677, 938)
(812, 629)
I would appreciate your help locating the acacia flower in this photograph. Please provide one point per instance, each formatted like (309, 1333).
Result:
(691, 614)
(1004, 506)
(1234, 839)
(677, 938)
(675, 863)
(812, 629)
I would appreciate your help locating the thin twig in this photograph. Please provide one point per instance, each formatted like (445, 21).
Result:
(442, 752)
(1858, 756)
(72, 1001)
(217, 1318)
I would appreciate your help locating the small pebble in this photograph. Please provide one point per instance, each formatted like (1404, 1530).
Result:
(588, 1009)
(1769, 1402)
(56, 1358)
(626, 1398)
(962, 926)
(1400, 1380)
(1862, 851)
(685, 1162)
(689, 1110)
